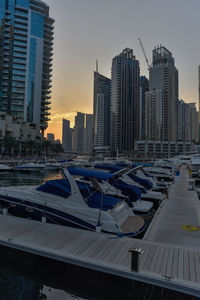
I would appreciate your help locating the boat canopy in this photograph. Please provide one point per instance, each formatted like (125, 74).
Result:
(144, 182)
(89, 173)
(132, 191)
(95, 199)
(59, 187)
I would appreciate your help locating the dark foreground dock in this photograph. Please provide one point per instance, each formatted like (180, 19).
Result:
(171, 257)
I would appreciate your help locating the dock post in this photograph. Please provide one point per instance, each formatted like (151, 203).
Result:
(135, 252)
(5, 211)
(44, 219)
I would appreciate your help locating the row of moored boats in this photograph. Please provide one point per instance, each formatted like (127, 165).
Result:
(107, 198)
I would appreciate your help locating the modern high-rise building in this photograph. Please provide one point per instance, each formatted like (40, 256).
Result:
(78, 133)
(194, 122)
(163, 78)
(101, 110)
(187, 120)
(88, 142)
(125, 101)
(154, 115)
(144, 87)
(50, 137)
(26, 49)
(66, 135)
(199, 96)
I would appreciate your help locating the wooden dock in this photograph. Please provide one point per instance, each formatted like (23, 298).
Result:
(181, 208)
(168, 260)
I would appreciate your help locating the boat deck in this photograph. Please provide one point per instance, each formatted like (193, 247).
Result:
(171, 257)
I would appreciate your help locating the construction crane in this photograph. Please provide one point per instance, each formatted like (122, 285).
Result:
(144, 53)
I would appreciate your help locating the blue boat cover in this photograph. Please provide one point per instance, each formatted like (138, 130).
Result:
(94, 198)
(133, 192)
(150, 176)
(144, 182)
(89, 173)
(112, 168)
(59, 187)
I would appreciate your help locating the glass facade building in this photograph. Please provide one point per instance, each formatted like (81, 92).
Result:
(163, 76)
(101, 110)
(26, 49)
(125, 102)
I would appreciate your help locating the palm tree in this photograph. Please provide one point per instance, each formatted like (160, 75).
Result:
(56, 148)
(9, 142)
(30, 146)
(46, 146)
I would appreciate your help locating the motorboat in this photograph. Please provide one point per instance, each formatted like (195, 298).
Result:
(160, 173)
(53, 166)
(61, 202)
(114, 186)
(28, 167)
(195, 164)
(156, 185)
(4, 168)
(184, 159)
(128, 176)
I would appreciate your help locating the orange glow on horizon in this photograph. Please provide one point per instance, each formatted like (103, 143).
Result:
(55, 125)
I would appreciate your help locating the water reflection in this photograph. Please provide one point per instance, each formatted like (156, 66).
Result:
(44, 279)
(20, 178)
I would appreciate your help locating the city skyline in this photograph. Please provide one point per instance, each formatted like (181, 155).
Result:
(101, 30)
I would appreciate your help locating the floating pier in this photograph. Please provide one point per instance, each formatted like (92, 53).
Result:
(169, 254)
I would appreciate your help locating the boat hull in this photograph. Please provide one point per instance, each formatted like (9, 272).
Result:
(28, 209)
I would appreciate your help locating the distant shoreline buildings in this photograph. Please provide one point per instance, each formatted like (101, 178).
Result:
(80, 138)
(134, 115)
(143, 111)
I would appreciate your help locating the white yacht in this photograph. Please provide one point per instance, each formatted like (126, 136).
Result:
(113, 186)
(28, 167)
(61, 202)
(4, 168)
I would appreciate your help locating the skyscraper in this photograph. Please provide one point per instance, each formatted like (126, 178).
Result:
(78, 134)
(199, 96)
(89, 133)
(50, 137)
(125, 101)
(154, 115)
(26, 45)
(144, 87)
(101, 110)
(163, 78)
(66, 135)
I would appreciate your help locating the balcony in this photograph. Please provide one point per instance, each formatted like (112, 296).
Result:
(47, 102)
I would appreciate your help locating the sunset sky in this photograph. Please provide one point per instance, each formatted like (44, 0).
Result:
(86, 30)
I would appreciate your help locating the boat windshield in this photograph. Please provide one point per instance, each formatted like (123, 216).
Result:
(59, 187)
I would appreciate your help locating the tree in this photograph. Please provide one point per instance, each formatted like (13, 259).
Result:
(30, 147)
(56, 148)
(9, 143)
(46, 146)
